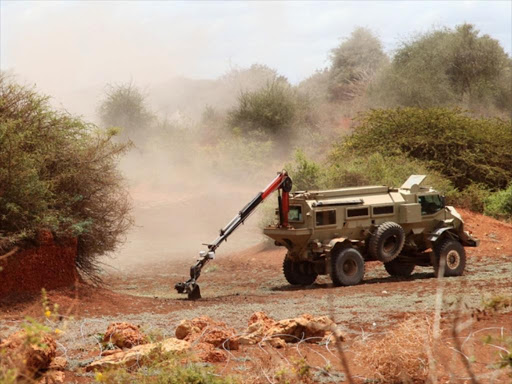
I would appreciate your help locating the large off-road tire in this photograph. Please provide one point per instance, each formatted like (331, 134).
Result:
(299, 273)
(397, 267)
(387, 242)
(347, 267)
(451, 253)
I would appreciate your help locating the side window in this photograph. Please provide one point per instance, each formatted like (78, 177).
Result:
(357, 212)
(295, 213)
(384, 210)
(326, 217)
(430, 204)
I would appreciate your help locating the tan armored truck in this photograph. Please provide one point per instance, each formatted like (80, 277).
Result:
(334, 232)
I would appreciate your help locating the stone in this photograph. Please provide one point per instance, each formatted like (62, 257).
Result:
(124, 335)
(278, 333)
(30, 356)
(52, 377)
(209, 354)
(58, 364)
(136, 356)
(206, 330)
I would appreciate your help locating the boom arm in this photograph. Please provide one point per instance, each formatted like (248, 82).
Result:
(282, 181)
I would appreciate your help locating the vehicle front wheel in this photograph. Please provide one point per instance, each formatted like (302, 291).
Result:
(450, 254)
(299, 273)
(397, 267)
(347, 267)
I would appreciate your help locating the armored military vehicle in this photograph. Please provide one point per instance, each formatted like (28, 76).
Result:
(335, 231)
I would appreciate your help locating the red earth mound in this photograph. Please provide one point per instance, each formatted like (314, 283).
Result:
(495, 236)
(49, 265)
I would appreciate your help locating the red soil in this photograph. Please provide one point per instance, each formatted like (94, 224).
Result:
(49, 265)
(495, 236)
(264, 264)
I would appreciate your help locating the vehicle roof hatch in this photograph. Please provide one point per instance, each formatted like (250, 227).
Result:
(413, 182)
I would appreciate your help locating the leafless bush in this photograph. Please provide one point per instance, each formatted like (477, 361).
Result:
(399, 356)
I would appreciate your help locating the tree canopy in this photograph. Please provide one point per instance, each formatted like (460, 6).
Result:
(355, 61)
(449, 67)
(124, 106)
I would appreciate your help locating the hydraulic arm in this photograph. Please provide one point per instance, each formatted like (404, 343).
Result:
(281, 182)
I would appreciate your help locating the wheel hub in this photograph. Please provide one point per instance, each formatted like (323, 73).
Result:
(349, 267)
(452, 259)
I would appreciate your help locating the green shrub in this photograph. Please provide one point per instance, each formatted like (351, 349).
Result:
(472, 198)
(464, 150)
(60, 173)
(271, 109)
(305, 174)
(499, 204)
(348, 170)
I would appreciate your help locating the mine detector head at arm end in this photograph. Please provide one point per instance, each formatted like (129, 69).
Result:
(281, 182)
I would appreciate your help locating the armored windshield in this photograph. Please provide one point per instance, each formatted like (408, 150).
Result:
(430, 204)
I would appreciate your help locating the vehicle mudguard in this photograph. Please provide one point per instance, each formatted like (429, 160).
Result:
(463, 236)
(336, 240)
(468, 240)
(437, 233)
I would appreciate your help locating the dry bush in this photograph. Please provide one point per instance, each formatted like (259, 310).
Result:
(58, 173)
(400, 356)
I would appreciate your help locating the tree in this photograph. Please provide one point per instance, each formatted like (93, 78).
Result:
(270, 109)
(473, 62)
(316, 86)
(447, 67)
(124, 106)
(354, 63)
(59, 173)
(249, 79)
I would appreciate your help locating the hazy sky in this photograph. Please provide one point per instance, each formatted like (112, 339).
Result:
(63, 45)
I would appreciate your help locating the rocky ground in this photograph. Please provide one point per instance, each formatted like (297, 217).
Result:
(237, 285)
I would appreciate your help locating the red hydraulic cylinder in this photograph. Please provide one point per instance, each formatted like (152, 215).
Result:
(285, 203)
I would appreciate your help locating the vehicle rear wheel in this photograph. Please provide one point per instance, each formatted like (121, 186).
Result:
(387, 242)
(452, 255)
(299, 273)
(397, 267)
(347, 267)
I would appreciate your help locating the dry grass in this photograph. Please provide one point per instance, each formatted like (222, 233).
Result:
(400, 355)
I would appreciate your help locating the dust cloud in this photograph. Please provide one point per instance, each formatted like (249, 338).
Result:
(180, 198)
(178, 208)
(186, 177)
